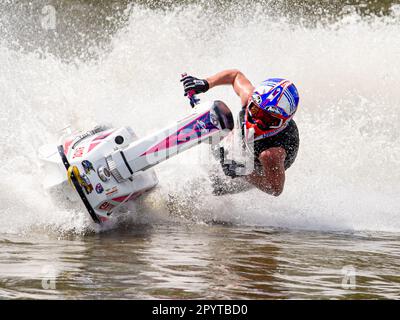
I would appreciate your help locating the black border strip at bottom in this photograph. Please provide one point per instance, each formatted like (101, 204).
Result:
(78, 187)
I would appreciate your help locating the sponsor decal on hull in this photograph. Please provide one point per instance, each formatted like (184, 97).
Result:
(99, 188)
(111, 191)
(87, 166)
(78, 152)
(106, 206)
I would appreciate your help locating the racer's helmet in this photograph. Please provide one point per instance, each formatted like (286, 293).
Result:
(271, 107)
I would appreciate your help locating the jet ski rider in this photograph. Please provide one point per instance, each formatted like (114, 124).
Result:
(267, 110)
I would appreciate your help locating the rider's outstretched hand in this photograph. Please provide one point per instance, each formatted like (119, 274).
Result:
(191, 83)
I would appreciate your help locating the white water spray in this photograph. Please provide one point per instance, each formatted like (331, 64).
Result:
(346, 175)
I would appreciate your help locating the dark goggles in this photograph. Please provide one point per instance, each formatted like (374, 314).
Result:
(266, 120)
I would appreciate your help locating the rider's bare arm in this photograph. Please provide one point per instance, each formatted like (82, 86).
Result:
(272, 179)
(237, 79)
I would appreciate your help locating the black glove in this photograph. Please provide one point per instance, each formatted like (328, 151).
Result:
(229, 169)
(192, 83)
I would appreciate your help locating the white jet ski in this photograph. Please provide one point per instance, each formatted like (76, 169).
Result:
(107, 167)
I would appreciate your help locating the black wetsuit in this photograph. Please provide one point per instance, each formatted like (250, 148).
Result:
(287, 139)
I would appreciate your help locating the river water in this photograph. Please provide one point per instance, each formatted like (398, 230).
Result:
(332, 234)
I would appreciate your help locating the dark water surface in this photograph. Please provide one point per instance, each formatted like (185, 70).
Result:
(202, 261)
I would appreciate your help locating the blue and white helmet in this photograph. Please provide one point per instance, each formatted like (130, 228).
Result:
(272, 105)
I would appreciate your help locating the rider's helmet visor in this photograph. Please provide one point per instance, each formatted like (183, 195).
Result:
(266, 119)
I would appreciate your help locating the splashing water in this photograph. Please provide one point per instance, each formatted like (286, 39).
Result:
(347, 71)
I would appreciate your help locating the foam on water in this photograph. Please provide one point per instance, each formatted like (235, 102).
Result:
(346, 175)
